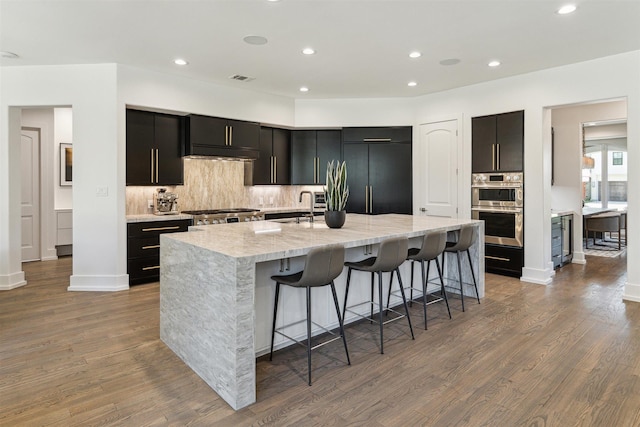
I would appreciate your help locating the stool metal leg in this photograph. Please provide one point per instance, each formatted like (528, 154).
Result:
(475, 285)
(381, 310)
(340, 321)
(346, 293)
(309, 332)
(442, 289)
(460, 279)
(424, 291)
(275, 315)
(371, 305)
(404, 300)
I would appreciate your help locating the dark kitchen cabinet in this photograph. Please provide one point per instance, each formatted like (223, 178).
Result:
(377, 134)
(155, 146)
(218, 136)
(272, 167)
(503, 260)
(311, 150)
(379, 177)
(143, 248)
(498, 143)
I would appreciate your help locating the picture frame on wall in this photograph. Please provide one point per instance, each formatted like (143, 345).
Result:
(66, 164)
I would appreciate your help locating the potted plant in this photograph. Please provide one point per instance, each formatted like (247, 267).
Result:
(336, 194)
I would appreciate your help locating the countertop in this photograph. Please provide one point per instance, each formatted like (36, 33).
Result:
(269, 240)
(152, 217)
(559, 212)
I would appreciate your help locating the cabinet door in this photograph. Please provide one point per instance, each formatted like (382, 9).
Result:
(168, 136)
(281, 153)
(303, 157)
(390, 178)
(262, 166)
(328, 144)
(510, 137)
(139, 145)
(356, 157)
(244, 134)
(483, 139)
(204, 130)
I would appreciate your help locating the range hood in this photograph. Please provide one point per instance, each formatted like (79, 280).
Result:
(217, 151)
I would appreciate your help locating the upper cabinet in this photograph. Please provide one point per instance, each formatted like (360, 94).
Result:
(155, 144)
(377, 134)
(311, 150)
(273, 165)
(498, 142)
(215, 136)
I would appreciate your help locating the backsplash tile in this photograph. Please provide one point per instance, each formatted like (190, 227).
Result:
(212, 184)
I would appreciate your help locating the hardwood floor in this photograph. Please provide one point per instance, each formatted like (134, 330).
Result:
(567, 354)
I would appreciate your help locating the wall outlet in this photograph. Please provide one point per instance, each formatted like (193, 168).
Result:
(261, 201)
(150, 204)
(271, 200)
(102, 191)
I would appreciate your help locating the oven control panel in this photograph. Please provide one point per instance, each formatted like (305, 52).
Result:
(497, 179)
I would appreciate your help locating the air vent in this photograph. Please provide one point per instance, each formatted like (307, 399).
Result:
(241, 78)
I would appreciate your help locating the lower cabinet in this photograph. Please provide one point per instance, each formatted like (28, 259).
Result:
(504, 260)
(143, 248)
(561, 240)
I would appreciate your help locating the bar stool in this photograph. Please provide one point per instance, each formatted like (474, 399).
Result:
(391, 254)
(322, 266)
(466, 238)
(433, 245)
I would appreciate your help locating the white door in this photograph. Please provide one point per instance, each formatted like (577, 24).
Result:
(30, 154)
(437, 170)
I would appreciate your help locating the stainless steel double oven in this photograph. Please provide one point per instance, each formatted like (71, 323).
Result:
(498, 199)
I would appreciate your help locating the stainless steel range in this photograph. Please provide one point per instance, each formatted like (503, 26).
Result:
(223, 216)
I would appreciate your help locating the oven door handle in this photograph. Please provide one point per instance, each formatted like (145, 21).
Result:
(497, 210)
(496, 187)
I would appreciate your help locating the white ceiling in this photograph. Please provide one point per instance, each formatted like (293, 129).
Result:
(362, 46)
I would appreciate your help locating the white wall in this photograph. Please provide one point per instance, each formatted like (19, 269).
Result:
(605, 78)
(354, 112)
(63, 134)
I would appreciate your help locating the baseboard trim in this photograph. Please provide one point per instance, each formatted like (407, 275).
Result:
(12, 281)
(537, 276)
(99, 283)
(631, 292)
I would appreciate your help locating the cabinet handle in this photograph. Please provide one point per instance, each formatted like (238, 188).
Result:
(315, 170)
(377, 140)
(152, 165)
(275, 170)
(497, 258)
(226, 135)
(319, 180)
(151, 247)
(366, 199)
(155, 267)
(498, 156)
(175, 227)
(157, 155)
(230, 135)
(371, 199)
(493, 157)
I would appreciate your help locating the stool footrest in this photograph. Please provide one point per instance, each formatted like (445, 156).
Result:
(400, 315)
(280, 329)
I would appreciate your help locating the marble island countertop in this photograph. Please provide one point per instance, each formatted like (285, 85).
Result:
(561, 212)
(269, 240)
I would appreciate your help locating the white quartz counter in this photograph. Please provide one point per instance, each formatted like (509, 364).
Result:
(216, 295)
(152, 217)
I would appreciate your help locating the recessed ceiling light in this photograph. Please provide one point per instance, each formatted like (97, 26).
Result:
(415, 54)
(308, 51)
(180, 62)
(412, 84)
(257, 40)
(304, 89)
(450, 61)
(493, 63)
(273, 1)
(8, 55)
(569, 8)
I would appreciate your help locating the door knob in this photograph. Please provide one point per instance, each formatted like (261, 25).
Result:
(423, 209)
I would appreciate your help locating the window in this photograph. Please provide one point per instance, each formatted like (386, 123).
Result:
(617, 158)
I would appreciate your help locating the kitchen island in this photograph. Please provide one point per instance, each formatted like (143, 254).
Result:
(216, 296)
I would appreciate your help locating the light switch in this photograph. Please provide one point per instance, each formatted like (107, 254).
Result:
(102, 191)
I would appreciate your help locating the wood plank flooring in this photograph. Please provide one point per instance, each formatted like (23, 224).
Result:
(567, 354)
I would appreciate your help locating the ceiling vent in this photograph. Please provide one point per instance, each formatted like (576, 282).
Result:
(241, 78)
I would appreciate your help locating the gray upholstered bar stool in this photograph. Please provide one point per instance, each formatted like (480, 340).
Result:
(433, 245)
(466, 239)
(322, 266)
(391, 254)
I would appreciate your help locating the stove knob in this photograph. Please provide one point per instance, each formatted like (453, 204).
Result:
(199, 222)
(508, 178)
(516, 178)
(205, 221)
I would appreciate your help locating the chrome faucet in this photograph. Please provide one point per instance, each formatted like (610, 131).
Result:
(311, 200)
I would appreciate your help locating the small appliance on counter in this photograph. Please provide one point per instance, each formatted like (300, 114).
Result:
(165, 202)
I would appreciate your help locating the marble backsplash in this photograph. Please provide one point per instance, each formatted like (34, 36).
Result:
(215, 183)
